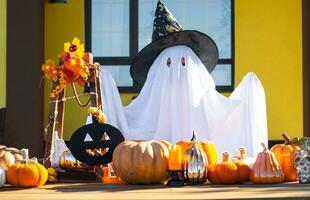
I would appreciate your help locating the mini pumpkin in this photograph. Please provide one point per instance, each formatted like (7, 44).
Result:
(8, 156)
(228, 172)
(208, 147)
(266, 168)
(18, 157)
(27, 174)
(285, 154)
(144, 162)
(243, 171)
(244, 158)
(16, 153)
(6, 159)
(195, 165)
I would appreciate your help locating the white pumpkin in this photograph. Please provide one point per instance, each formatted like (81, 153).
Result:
(6, 159)
(2, 176)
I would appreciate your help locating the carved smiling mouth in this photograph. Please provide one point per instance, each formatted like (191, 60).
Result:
(96, 152)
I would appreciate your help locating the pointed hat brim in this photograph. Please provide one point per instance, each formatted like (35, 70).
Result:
(202, 45)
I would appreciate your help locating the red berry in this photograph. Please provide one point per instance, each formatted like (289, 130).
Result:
(66, 56)
(73, 48)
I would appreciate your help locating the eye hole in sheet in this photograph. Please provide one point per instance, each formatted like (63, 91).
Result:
(168, 62)
(183, 61)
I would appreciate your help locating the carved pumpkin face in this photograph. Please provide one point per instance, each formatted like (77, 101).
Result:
(94, 144)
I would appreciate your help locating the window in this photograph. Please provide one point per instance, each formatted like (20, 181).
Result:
(117, 29)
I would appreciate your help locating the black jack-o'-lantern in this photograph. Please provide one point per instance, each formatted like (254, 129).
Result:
(94, 143)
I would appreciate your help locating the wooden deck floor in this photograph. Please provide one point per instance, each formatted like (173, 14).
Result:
(94, 191)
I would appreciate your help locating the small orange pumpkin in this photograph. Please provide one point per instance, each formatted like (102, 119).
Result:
(208, 147)
(228, 172)
(266, 168)
(243, 171)
(285, 154)
(27, 174)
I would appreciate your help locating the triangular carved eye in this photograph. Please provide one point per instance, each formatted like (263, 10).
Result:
(105, 137)
(183, 61)
(168, 62)
(88, 138)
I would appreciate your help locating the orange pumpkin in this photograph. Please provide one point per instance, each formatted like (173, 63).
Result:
(285, 154)
(144, 162)
(228, 172)
(30, 174)
(165, 142)
(266, 168)
(243, 171)
(208, 147)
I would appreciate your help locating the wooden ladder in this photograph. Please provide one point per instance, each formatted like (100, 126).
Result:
(57, 109)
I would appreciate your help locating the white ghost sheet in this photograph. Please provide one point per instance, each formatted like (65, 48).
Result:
(177, 100)
(58, 147)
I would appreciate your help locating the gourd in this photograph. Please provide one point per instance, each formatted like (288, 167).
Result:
(27, 173)
(6, 159)
(228, 172)
(16, 153)
(208, 147)
(285, 154)
(144, 162)
(266, 168)
(8, 156)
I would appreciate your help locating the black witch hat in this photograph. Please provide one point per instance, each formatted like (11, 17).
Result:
(167, 32)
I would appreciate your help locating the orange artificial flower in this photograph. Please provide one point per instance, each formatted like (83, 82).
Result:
(72, 69)
(50, 70)
(75, 65)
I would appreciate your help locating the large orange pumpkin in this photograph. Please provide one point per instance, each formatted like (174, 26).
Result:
(208, 147)
(30, 174)
(228, 172)
(266, 168)
(144, 162)
(285, 154)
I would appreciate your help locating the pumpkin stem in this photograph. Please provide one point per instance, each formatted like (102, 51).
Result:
(226, 156)
(264, 146)
(194, 137)
(242, 152)
(297, 142)
(287, 139)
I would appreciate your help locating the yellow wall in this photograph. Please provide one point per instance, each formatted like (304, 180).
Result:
(267, 42)
(268, 38)
(2, 52)
(62, 23)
